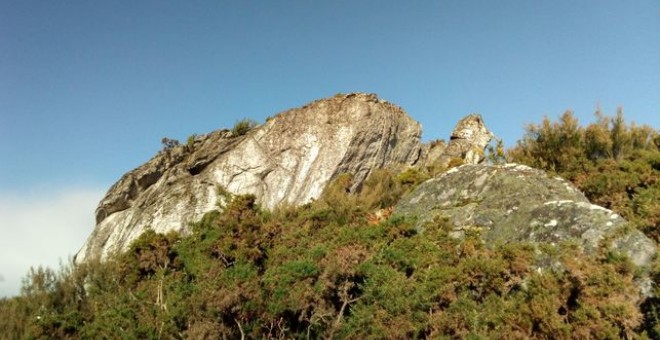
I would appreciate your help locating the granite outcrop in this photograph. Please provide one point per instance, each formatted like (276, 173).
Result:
(287, 160)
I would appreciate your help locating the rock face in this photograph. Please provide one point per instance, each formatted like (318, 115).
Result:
(467, 142)
(289, 159)
(517, 203)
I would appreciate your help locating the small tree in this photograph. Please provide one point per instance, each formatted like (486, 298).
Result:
(168, 143)
(620, 136)
(495, 152)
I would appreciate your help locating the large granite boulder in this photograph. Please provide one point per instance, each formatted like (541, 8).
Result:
(517, 203)
(289, 159)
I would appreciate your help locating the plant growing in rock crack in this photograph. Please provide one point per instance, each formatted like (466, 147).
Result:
(242, 127)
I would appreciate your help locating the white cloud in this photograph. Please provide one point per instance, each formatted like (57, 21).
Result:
(42, 228)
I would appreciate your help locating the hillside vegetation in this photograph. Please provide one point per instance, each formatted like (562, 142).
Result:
(342, 267)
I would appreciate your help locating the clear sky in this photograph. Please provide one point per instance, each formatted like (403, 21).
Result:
(88, 88)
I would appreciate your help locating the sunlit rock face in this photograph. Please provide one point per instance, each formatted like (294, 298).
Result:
(289, 159)
(467, 144)
(508, 203)
(468, 141)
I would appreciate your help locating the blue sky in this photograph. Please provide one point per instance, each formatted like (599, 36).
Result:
(88, 88)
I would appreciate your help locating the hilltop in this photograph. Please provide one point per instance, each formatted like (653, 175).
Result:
(333, 220)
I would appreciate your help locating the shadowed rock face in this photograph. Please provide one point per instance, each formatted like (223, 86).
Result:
(517, 203)
(289, 159)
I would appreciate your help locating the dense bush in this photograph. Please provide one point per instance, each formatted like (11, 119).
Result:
(322, 271)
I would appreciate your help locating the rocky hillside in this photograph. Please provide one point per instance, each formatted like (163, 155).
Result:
(287, 160)
(376, 236)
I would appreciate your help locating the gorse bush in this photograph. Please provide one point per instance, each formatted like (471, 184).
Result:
(321, 271)
(564, 146)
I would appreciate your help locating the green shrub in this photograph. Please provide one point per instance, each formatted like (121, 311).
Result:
(190, 142)
(242, 127)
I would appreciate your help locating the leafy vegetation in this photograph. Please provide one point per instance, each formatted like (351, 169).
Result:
(190, 142)
(343, 267)
(322, 270)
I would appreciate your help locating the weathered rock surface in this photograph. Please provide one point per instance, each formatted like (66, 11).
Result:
(516, 203)
(289, 159)
(467, 142)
